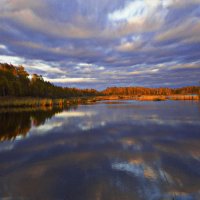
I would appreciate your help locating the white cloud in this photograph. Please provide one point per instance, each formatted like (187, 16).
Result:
(144, 71)
(39, 65)
(31, 64)
(3, 47)
(136, 9)
(70, 80)
(12, 59)
(70, 114)
(46, 127)
(84, 64)
(138, 16)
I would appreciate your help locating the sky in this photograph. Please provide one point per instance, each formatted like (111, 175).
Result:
(104, 43)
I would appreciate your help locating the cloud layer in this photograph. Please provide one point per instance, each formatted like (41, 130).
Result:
(87, 43)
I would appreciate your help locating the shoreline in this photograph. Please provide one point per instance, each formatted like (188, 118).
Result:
(151, 97)
(20, 102)
(30, 102)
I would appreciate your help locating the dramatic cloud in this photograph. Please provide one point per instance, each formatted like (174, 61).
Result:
(100, 43)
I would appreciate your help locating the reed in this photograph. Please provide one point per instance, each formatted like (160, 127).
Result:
(27, 102)
(38, 102)
(184, 97)
(151, 98)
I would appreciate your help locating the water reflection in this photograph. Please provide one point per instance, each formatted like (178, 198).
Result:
(16, 123)
(107, 152)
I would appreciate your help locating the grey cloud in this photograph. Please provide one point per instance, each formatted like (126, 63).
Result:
(80, 39)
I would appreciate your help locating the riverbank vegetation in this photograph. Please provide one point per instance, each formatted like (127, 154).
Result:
(20, 89)
(149, 97)
(132, 91)
(20, 102)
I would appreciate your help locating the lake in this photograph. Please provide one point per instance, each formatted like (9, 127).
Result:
(119, 150)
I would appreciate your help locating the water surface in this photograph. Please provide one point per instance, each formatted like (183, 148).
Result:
(122, 150)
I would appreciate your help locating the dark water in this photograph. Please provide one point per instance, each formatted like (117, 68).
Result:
(108, 151)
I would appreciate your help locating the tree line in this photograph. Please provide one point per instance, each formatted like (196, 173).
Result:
(17, 82)
(151, 91)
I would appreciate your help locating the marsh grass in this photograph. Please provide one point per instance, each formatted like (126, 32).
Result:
(29, 102)
(150, 97)
(39, 102)
(184, 97)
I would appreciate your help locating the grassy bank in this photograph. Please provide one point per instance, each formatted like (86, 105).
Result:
(184, 97)
(29, 102)
(38, 102)
(149, 97)
(41, 102)
(172, 97)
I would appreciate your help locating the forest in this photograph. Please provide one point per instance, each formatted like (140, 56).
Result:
(151, 91)
(15, 81)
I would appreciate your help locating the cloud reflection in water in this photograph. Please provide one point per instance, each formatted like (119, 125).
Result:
(110, 152)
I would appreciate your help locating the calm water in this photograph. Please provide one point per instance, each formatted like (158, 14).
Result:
(107, 151)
